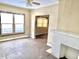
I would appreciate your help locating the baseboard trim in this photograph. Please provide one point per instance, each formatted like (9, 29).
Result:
(41, 33)
(49, 50)
(48, 44)
(10, 39)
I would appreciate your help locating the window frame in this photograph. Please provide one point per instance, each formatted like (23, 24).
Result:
(13, 25)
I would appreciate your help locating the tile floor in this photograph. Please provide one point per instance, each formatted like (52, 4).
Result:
(25, 48)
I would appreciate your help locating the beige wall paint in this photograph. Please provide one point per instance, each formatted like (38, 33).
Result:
(52, 11)
(18, 10)
(69, 22)
(69, 16)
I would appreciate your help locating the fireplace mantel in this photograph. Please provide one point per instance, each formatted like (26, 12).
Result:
(64, 38)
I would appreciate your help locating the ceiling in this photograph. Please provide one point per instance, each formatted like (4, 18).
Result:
(23, 4)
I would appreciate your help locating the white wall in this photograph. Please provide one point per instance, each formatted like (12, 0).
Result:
(52, 11)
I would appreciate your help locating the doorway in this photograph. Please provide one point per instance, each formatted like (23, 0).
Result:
(41, 26)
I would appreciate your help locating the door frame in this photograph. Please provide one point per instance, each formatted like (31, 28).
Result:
(36, 17)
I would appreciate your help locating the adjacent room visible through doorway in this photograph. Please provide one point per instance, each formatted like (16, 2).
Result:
(41, 26)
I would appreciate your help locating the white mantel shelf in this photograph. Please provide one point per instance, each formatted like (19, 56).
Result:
(64, 38)
(68, 34)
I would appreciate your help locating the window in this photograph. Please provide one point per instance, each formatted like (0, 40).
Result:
(42, 22)
(6, 23)
(39, 22)
(19, 23)
(11, 23)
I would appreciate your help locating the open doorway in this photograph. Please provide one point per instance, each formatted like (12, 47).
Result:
(41, 26)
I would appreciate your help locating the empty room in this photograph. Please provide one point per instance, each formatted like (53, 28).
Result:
(39, 29)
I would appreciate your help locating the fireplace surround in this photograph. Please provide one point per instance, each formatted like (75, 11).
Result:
(67, 52)
(66, 41)
(63, 57)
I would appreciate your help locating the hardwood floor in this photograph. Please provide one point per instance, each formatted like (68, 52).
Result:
(26, 48)
(42, 36)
